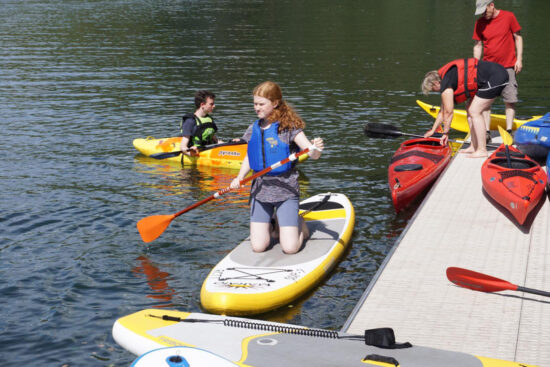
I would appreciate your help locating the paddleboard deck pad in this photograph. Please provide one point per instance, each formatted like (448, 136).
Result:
(248, 342)
(246, 282)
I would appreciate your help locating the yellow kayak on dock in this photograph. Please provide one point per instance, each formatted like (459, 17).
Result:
(460, 121)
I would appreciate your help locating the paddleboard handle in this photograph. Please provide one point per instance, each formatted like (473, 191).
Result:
(380, 358)
(177, 361)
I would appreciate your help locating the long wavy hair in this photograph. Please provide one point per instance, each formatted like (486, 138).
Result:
(284, 113)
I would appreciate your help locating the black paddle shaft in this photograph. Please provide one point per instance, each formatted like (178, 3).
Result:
(206, 147)
(533, 291)
(378, 130)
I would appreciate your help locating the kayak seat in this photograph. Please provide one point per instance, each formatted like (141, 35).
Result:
(514, 162)
(407, 167)
(436, 158)
(432, 143)
(512, 154)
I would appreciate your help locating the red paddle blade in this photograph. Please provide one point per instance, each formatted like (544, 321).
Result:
(478, 281)
(150, 228)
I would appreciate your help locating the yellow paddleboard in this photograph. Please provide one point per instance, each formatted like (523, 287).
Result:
(246, 282)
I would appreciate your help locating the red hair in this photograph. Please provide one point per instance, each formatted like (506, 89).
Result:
(283, 113)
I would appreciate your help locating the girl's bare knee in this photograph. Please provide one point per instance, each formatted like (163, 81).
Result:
(290, 246)
(259, 246)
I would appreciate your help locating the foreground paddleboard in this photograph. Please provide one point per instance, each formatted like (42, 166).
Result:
(246, 282)
(264, 344)
(460, 120)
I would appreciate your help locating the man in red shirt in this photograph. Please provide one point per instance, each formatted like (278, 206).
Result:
(497, 37)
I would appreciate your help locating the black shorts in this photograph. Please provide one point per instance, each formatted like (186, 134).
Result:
(492, 78)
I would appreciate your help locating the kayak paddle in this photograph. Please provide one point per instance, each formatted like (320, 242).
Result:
(378, 130)
(150, 228)
(485, 283)
(507, 140)
(206, 147)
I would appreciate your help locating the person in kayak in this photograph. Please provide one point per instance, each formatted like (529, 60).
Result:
(468, 80)
(274, 136)
(198, 129)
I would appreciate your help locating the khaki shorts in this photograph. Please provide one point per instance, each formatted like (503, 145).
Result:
(510, 92)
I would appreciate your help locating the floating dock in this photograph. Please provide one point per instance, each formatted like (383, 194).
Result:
(458, 225)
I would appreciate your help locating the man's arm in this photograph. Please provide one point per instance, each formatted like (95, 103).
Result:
(183, 146)
(478, 49)
(519, 52)
(187, 134)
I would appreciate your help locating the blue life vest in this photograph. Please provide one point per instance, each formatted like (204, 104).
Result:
(265, 148)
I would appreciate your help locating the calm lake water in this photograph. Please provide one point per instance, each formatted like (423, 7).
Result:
(79, 80)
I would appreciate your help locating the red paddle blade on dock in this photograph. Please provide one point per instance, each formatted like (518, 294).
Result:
(478, 281)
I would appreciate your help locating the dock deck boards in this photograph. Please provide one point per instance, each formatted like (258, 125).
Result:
(457, 225)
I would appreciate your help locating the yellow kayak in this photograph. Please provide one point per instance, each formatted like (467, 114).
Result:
(225, 155)
(460, 121)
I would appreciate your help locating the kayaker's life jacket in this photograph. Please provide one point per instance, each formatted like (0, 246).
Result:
(265, 148)
(467, 77)
(204, 131)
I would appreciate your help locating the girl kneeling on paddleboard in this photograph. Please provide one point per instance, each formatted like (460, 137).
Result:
(272, 138)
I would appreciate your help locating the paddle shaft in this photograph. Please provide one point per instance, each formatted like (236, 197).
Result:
(216, 195)
(508, 157)
(394, 132)
(507, 140)
(201, 149)
(435, 136)
(533, 291)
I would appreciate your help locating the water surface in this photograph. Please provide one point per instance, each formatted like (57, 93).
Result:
(81, 79)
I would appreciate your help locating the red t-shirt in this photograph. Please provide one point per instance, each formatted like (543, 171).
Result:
(497, 35)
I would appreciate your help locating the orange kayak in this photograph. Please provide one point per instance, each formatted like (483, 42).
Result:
(414, 167)
(518, 187)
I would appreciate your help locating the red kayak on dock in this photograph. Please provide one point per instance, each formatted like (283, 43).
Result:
(517, 184)
(414, 167)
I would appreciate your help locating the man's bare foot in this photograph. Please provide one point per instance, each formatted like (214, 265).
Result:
(468, 150)
(478, 154)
